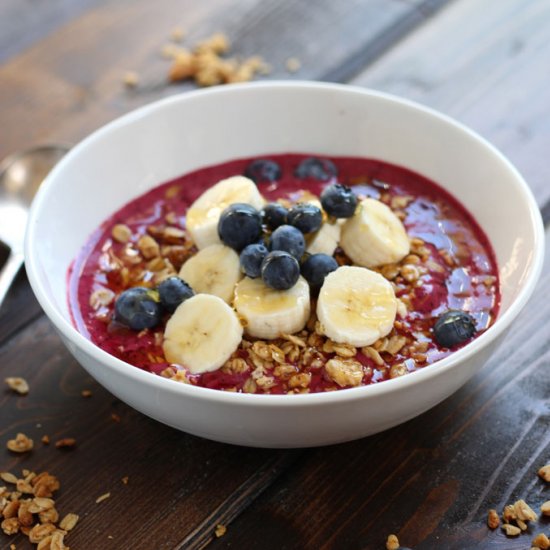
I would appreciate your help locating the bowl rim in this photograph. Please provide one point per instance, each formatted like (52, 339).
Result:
(159, 383)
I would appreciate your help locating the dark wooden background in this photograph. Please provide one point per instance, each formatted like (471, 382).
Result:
(431, 480)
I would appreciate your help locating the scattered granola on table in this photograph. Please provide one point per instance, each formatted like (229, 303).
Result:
(493, 521)
(65, 443)
(544, 473)
(103, 497)
(207, 65)
(131, 79)
(17, 384)
(392, 543)
(220, 530)
(541, 542)
(511, 530)
(21, 444)
(516, 518)
(293, 64)
(31, 509)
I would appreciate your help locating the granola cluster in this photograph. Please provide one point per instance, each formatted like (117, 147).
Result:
(20, 444)
(516, 517)
(144, 260)
(17, 384)
(207, 65)
(29, 508)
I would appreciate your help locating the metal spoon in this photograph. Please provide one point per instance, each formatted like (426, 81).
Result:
(20, 176)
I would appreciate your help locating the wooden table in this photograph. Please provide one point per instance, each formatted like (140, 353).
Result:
(431, 480)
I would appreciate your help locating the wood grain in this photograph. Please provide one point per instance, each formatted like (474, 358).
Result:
(433, 479)
(81, 86)
(23, 22)
(486, 64)
(20, 305)
(176, 481)
(430, 480)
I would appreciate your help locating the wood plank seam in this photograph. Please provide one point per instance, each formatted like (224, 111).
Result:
(23, 326)
(239, 501)
(378, 45)
(545, 212)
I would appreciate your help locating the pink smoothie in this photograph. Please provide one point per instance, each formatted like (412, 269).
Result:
(463, 273)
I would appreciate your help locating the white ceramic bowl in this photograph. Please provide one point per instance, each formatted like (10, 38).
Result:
(182, 133)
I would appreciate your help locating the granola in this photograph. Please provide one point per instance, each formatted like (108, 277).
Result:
(21, 444)
(207, 65)
(28, 510)
(144, 253)
(17, 384)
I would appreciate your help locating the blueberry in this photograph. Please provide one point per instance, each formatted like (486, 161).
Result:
(280, 270)
(288, 239)
(251, 259)
(306, 217)
(339, 201)
(239, 225)
(137, 308)
(454, 327)
(274, 215)
(316, 169)
(173, 291)
(261, 170)
(316, 268)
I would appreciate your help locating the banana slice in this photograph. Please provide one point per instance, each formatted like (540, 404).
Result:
(356, 306)
(202, 334)
(213, 270)
(269, 313)
(374, 235)
(203, 215)
(325, 241)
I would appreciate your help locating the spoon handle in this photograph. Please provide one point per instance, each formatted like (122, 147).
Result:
(8, 273)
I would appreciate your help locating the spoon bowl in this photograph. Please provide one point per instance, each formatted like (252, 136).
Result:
(20, 176)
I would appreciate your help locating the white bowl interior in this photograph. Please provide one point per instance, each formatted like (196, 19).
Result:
(170, 138)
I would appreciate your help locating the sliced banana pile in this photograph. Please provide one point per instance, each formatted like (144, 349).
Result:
(228, 224)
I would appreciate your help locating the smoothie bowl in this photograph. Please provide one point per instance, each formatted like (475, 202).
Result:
(283, 264)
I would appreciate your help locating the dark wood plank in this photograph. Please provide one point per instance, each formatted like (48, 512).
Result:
(19, 308)
(432, 480)
(54, 93)
(405, 480)
(179, 485)
(366, 53)
(20, 305)
(486, 67)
